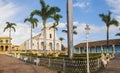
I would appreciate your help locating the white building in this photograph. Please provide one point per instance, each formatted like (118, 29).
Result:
(38, 42)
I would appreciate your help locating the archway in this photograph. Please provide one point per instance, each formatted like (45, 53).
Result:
(2, 48)
(50, 46)
(57, 46)
(6, 48)
(42, 45)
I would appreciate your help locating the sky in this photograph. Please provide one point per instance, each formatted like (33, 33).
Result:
(84, 12)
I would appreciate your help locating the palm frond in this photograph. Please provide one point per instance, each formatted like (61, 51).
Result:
(114, 22)
(36, 12)
(74, 27)
(118, 34)
(65, 31)
(5, 29)
(26, 19)
(32, 20)
(13, 29)
(42, 3)
(9, 26)
(61, 38)
(75, 32)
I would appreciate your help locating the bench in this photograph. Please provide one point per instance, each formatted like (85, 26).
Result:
(36, 61)
(25, 59)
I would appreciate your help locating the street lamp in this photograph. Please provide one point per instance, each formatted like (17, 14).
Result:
(87, 32)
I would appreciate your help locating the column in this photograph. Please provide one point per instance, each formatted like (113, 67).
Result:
(85, 49)
(4, 48)
(79, 50)
(90, 50)
(96, 49)
(113, 50)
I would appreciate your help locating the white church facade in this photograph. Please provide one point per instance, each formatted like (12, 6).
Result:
(38, 42)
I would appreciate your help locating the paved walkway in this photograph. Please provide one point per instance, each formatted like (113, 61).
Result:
(113, 66)
(13, 65)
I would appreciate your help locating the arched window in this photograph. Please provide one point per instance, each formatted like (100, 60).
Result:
(6, 41)
(50, 35)
(1, 41)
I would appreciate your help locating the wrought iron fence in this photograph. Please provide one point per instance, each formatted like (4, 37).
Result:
(67, 65)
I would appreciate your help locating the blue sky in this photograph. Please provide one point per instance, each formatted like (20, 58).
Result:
(84, 12)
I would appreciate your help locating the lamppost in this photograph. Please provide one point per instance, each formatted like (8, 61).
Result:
(87, 32)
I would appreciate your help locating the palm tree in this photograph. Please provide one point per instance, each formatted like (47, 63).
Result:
(69, 27)
(10, 26)
(56, 18)
(108, 21)
(61, 39)
(34, 24)
(45, 13)
(74, 31)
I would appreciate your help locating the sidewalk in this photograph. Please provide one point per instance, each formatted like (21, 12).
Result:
(13, 65)
(113, 66)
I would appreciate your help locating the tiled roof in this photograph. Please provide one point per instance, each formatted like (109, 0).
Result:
(99, 43)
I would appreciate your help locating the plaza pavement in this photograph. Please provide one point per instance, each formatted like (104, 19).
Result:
(113, 66)
(13, 65)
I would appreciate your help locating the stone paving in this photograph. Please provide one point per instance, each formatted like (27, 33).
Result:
(13, 65)
(113, 66)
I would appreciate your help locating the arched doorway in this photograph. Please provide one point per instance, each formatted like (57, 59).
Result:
(6, 48)
(50, 46)
(2, 48)
(57, 46)
(42, 45)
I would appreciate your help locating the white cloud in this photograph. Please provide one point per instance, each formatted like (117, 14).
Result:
(62, 25)
(81, 4)
(115, 8)
(7, 10)
(22, 33)
(115, 4)
(95, 33)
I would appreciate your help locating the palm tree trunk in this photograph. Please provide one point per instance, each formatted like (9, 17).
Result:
(31, 39)
(54, 42)
(70, 27)
(10, 40)
(44, 23)
(107, 39)
(31, 42)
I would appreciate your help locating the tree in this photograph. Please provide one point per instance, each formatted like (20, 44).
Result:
(10, 26)
(118, 34)
(56, 18)
(45, 13)
(69, 27)
(106, 18)
(61, 39)
(34, 24)
(74, 31)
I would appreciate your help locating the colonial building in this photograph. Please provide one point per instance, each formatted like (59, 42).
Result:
(99, 46)
(38, 42)
(4, 45)
(15, 48)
